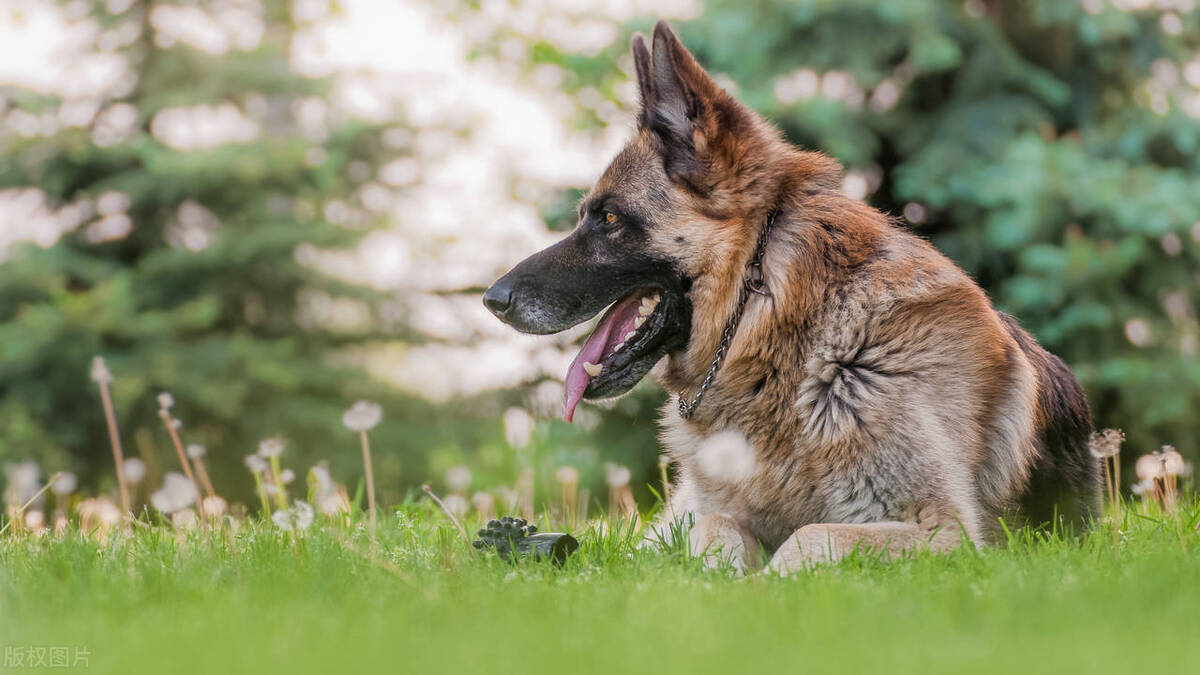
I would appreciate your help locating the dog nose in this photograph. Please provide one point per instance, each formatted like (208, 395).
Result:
(498, 298)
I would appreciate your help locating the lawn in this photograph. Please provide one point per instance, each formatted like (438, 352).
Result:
(257, 601)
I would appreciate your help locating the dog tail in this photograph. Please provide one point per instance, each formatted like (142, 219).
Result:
(1065, 481)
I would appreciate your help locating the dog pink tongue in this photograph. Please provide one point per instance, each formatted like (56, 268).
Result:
(601, 343)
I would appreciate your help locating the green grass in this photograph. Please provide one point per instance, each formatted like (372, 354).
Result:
(253, 602)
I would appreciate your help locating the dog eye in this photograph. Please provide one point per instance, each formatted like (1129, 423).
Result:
(609, 217)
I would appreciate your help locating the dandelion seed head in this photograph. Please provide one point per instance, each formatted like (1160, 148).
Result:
(518, 427)
(135, 470)
(97, 512)
(256, 464)
(23, 482)
(35, 520)
(319, 477)
(1149, 467)
(298, 517)
(332, 502)
(287, 476)
(165, 402)
(362, 416)
(1107, 443)
(1172, 461)
(483, 502)
(458, 479)
(215, 506)
(100, 372)
(184, 519)
(456, 504)
(271, 447)
(177, 493)
(63, 483)
(616, 475)
(1143, 487)
(196, 451)
(303, 513)
(567, 475)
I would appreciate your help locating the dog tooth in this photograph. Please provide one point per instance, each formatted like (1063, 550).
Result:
(629, 335)
(592, 369)
(619, 347)
(645, 310)
(637, 323)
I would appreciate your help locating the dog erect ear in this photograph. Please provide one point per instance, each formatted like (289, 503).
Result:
(681, 104)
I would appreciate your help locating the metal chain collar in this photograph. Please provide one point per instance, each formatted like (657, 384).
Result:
(753, 283)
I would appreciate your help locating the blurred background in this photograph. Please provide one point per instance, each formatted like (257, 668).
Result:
(273, 209)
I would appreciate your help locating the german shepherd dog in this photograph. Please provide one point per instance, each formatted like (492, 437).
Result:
(836, 382)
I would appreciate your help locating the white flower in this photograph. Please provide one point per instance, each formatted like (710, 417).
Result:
(135, 470)
(616, 475)
(177, 493)
(100, 372)
(458, 479)
(287, 476)
(362, 416)
(165, 401)
(64, 483)
(256, 464)
(271, 447)
(196, 451)
(298, 517)
(518, 427)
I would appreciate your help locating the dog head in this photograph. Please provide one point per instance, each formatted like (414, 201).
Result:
(666, 219)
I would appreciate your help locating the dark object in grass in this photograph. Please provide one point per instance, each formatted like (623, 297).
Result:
(513, 538)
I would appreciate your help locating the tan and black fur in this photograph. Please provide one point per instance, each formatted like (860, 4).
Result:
(875, 398)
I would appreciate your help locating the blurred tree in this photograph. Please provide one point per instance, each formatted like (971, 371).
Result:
(205, 188)
(1049, 147)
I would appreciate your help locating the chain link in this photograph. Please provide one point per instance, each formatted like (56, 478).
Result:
(753, 283)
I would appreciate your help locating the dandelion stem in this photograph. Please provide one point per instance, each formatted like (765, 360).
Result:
(277, 477)
(461, 530)
(366, 450)
(262, 494)
(202, 473)
(114, 437)
(169, 423)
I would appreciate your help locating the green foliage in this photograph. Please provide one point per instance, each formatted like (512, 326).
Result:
(219, 322)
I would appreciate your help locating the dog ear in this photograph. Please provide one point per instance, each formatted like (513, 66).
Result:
(679, 102)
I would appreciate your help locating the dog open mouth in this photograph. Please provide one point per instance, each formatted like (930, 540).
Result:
(627, 342)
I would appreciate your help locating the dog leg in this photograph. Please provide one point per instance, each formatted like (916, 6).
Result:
(827, 543)
(719, 540)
